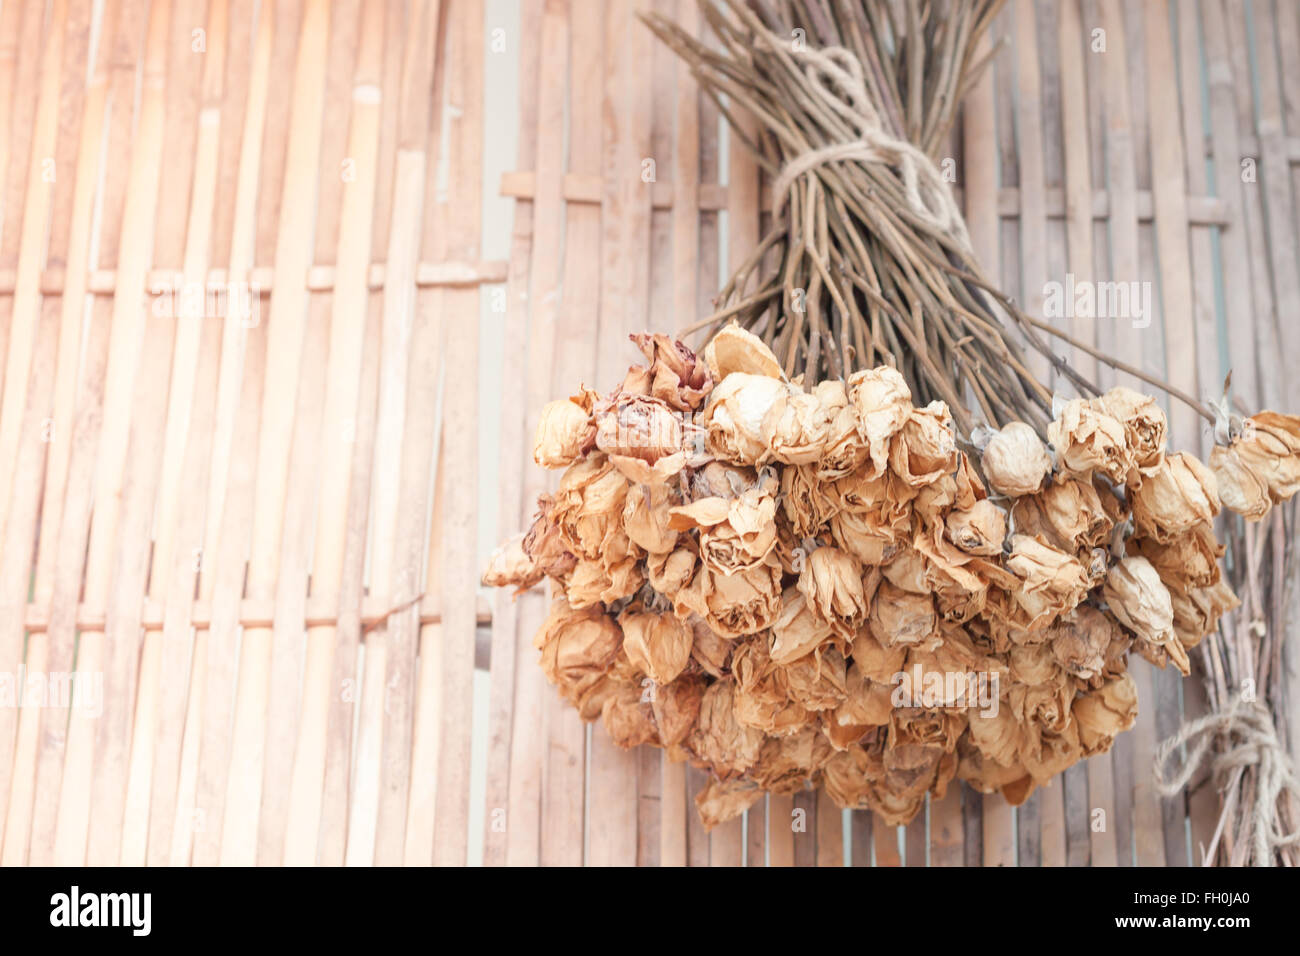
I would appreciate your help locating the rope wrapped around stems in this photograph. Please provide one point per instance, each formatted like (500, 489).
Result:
(836, 74)
(1252, 744)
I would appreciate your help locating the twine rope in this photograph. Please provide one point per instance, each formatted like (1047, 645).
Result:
(1252, 742)
(835, 74)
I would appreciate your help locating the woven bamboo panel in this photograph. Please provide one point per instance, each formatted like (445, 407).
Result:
(244, 329)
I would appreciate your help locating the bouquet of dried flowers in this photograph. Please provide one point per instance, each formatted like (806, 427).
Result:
(855, 542)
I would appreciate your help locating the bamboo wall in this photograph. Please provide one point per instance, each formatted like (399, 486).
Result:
(249, 517)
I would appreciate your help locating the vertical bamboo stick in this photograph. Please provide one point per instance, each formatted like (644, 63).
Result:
(285, 336)
(338, 433)
(19, 315)
(398, 318)
(81, 786)
(69, 212)
(38, 320)
(563, 759)
(225, 537)
(507, 694)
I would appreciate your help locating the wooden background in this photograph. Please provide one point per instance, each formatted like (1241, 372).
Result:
(248, 524)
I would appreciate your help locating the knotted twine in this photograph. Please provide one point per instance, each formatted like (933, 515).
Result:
(835, 74)
(1252, 742)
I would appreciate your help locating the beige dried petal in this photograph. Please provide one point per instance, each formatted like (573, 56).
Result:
(1140, 601)
(831, 581)
(1241, 488)
(510, 566)
(980, 529)
(645, 517)
(735, 350)
(797, 428)
(798, 629)
(1175, 496)
(1145, 426)
(657, 644)
(676, 707)
(1015, 461)
(844, 451)
(711, 651)
(738, 406)
(900, 619)
(1051, 581)
(1088, 439)
(883, 401)
(670, 571)
(734, 605)
(721, 800)
(565, 432)
(736, 534)
(719, 742)
(1105, 712)
(628, 718)
(925, 448)
(674, 374)
(805, 500)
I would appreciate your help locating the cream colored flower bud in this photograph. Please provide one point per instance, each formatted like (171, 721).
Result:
(1016, 461)
(564, 433)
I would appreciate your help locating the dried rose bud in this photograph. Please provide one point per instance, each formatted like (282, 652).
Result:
(1178, 494)
(1068, 513)
(510, 566)
(883, 401)
(738, 407)
(1241, 488)
(565, 432)
(1052, 581)
(831, 581)
(738, 350)
(798, 629)
(797, 428)
(981, 529)
(676, 707)
(1140, 601)
(719, 741)
(734, 605)
(628, 718)
(736, 534)
(645, 517)
(721, 801)
(1015, 461)
(643, 438)
(670, 571)
(845, 450)
(577, 645)
(924, 449)
(1266, 453)
(1145, 426)
(1105, 712)
(761, 700)
(901, 619)
(1089, 439)
(658, 644)
(675, 375)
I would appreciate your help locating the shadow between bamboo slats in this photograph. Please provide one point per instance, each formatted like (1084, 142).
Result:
(44, 447)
